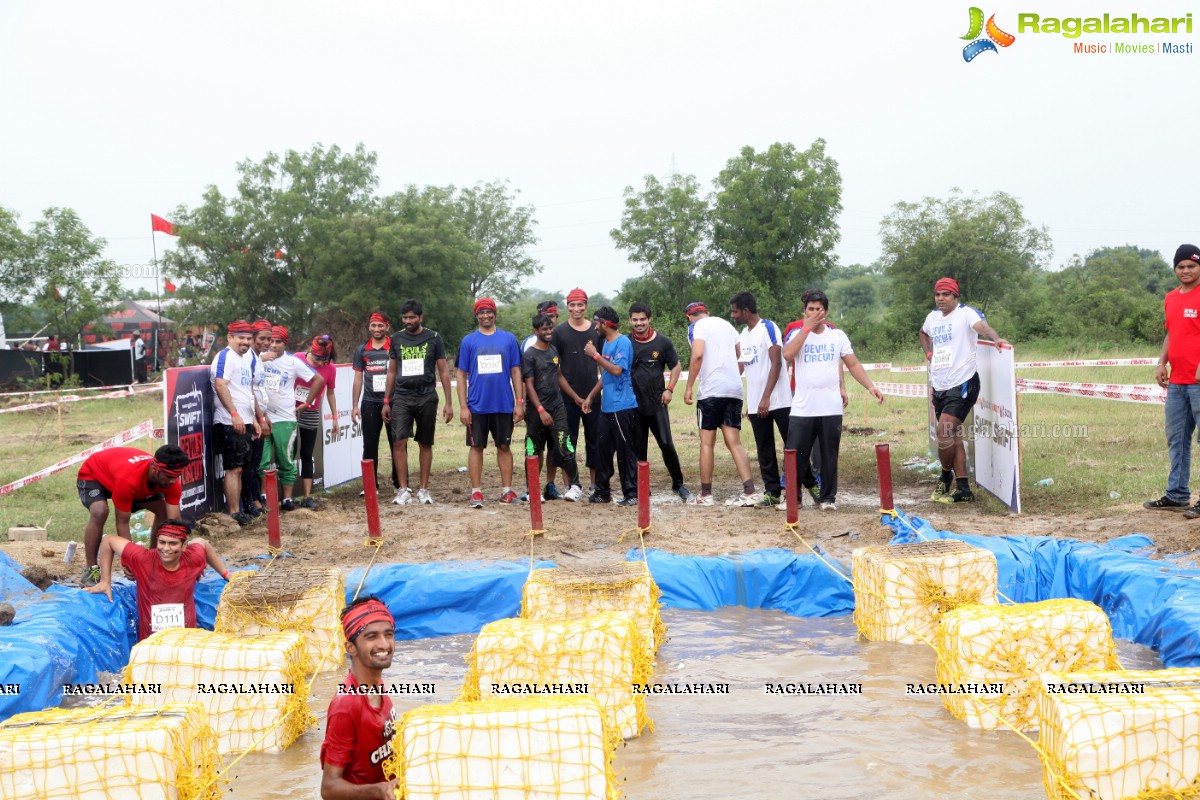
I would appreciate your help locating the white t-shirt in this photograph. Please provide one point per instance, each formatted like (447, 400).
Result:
(242, 372)
(279, 385)
(954, 342)
(818, 368)
(719, 376)
(139, 349)
(756, 344)
(528, 343)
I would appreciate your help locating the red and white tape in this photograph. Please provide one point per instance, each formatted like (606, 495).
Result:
(76, 390)
(144, 429)
(1126, 392)
(1095, 362)
(870, 367)
(75, 398)
(903, 389)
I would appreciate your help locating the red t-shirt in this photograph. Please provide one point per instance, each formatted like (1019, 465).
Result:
(122, 471)
(1183, 334)
(327, 371)
(158, 586)
(358, 737)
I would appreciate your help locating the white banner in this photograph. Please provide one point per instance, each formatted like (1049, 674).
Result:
(994, 432)
(343, 452)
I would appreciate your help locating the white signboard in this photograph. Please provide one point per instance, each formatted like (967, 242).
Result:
(997, 453)
(343, 451)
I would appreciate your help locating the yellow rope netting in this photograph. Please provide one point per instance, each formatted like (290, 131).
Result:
(253, 689)
(167, 752)
(602, 655)
(307, 600)
(506, 748)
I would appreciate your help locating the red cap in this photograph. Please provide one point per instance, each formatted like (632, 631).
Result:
(279, 332)
(946, 285)
(484, 302)
(261, 325)
(320, 346)
(577, 294)
(239, 326)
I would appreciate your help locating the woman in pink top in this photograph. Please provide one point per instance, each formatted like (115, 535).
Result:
(320, 356)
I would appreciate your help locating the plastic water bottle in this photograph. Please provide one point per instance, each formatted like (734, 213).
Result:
(1114, 495)
(69, 556)
(1045, 482)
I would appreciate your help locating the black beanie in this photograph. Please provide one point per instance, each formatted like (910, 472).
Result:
(1188, 252)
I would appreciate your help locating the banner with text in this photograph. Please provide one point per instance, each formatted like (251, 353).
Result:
(994, 432)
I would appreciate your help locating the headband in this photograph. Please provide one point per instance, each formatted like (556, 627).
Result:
(279, 332)
(165, 470)
(484, 302)
(363, 615)
(320, 346)
(577, 294)
(550, 309)
(239, 326)
(607, 322)
(378, 317)
(261, 325)
(946, 285)
(695, 308)
(173, 530)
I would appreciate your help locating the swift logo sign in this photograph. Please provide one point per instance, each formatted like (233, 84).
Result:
(994, 37)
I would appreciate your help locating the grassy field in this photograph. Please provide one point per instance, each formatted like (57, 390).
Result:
(1100, 446)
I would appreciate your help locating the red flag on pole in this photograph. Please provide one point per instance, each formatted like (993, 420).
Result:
(159, 224)
(170, 287)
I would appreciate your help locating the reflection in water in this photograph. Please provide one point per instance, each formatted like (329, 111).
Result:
(748, 744)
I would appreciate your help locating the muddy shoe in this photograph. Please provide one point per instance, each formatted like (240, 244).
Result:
(1193, 512)
(91, 576)
(962, 496)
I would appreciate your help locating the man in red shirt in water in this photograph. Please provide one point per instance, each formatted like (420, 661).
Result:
(166, 578)
(361, 720)
(134, 480)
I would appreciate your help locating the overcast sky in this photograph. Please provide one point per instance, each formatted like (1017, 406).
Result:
(122, 109)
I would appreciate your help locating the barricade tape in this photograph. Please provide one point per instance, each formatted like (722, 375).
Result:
(903, 389)
(1095, 362)
(870, 367)
(1126, 392)
(76, 389)
(75, 398)
(144, 429)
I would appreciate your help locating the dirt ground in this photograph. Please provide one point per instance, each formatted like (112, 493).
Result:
(583, 533)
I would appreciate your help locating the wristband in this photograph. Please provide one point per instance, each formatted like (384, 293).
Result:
(671, 389)
(541, 409)
(928, 355)
(595, 356)
(225, 575)
(387, 400)
(233, 413)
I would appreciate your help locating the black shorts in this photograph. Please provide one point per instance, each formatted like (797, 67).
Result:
(91, 491)
(235, 449)
(717, 412)
(500, 426)
(421, 411)
(959, 401)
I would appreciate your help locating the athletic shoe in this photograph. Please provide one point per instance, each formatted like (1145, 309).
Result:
(1193, 512)
(288, 504)
(308, 503)
(683, 493)
(600, 497)
(941, 493)
(243, 519)
(769, 500)
(814, 492)
(254, 513)
(744, 500)
(403, 497)
(1166, 503)
(782, 504)
(362, 493)
(627, 502)
(962, 496)
(574, 494)
(551, 492)
(828, 507)
(701, 499)
(509, 497)
(91, 576)
(424, 498)
(476, 500)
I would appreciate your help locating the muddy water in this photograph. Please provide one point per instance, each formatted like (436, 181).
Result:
(748, 744)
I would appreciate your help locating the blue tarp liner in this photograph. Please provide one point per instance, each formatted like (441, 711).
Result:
(1150, 602)
(800, 585)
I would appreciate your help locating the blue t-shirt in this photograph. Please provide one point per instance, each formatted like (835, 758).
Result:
(617, 392)
(488, 361)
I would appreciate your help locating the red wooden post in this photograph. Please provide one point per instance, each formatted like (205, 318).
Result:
(644, 495)
(271, 487)
(792, 492)
(883, 460)
(371, 495)
(533, 485)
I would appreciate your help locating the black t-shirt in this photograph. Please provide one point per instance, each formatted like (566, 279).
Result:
(577, 368)
(650, 360)
(373, 365)
(416, 362)
(542, 366)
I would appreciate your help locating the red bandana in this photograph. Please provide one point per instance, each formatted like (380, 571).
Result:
(363, 615)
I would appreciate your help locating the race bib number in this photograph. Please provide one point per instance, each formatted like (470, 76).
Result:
(941, 358)
(166, 615)
(490, 365)
(272, 383)
(749, 355)
(412, 367)
(378, 383)
(302, 394)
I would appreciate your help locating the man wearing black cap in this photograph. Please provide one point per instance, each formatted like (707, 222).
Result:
(1179, 373)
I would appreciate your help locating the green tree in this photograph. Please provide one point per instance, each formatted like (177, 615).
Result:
(1114, 294)
(488, 214)
(775, 222)
(665, 228)
(985, 243)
